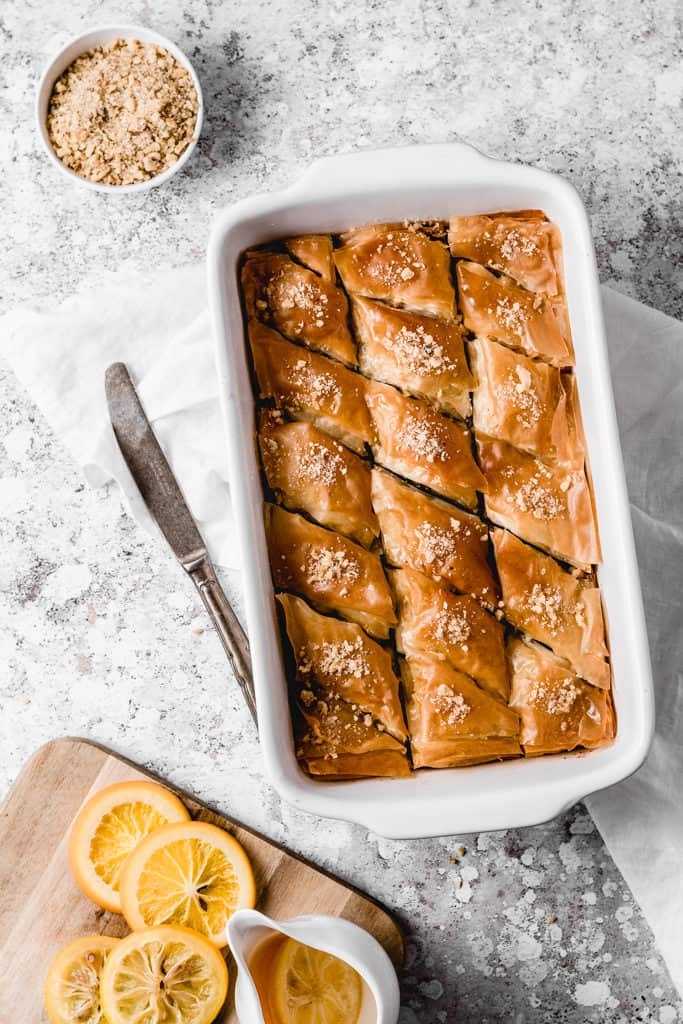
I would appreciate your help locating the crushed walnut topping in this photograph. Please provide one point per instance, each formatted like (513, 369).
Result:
(421, 352)
(537, 496)
(318, 388)
(451, 627)
(546, 603)
(286, 294)
(122, 113)
(555, 698)
(335, 658)
(518, 389)
(423, 439)
(517, 244)
(328, 568)
(439, 543)
(317, 462)
(512, 315)
(449, 703)
(396, 264)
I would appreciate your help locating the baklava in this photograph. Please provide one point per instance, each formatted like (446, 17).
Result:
(428, 507)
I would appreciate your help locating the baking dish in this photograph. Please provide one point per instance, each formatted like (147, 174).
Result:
(425, 182)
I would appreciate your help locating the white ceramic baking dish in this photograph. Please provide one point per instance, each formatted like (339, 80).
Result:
(433, 182)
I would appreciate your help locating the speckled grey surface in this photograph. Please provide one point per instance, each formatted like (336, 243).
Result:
(100, 634)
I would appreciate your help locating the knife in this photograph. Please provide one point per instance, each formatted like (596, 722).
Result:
(162, 496)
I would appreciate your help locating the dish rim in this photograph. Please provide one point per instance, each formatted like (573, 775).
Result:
(498, 794)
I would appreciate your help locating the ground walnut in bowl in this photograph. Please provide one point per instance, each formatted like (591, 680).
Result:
(122, 113)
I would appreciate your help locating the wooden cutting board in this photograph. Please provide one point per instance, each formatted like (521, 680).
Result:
(41, 907)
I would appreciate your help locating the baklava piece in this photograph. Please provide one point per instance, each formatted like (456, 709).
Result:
(549, 507)
(309, 471)
(553, 606)
(315, 252)
(422, 355)
(400, 267)
(450, 627)
(297, 302)
(559, 711)
(311, 387)
(328, 570)
(435, 538)
(523, 245)
(496, 307)
(524, 402)
(451, 721)
(339, 659)
(423, 445)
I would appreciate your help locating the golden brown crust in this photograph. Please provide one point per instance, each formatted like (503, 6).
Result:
(497, 308)
(559, 711)
(309, 471)
(401, 267)
(553, 606)
(524, 402)
(311, 387)
(451, 720)
(339, 659)
(422, 445)
(549, 507)
(451, 627)
(328, 570)
(315, 252)
(422, 355)
(526, 248)
(298, 303)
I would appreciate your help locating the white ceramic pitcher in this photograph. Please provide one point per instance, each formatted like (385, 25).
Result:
(248, 928)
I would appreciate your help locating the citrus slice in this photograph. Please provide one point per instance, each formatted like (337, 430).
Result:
(163, 976)
(312, 987)
(109, 826)
(72, 986)
(191, 874)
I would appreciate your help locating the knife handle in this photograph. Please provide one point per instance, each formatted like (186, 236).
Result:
(233, 637)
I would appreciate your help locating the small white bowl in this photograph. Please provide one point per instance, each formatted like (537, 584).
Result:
(343, 939)
(89, 41)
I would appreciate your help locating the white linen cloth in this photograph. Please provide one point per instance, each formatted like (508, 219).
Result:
(159, 326)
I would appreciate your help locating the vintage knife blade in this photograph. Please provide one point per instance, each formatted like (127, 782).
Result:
(164, 499)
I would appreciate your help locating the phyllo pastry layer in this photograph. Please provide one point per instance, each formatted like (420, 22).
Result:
(523, 245)
(559, 711)
(339, 659)
(550, 507)
(329, 570)
(421, 444)
(422, 355)
(452, 721)
(311, 387)
(451, 627)
(435, 538)
(401, 267)
(524, 402)
(315, 252)
(496, 307)
(298, 303)
(309, 471)
(553, 606)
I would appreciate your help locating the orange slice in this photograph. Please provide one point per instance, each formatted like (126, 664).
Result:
(72, 986)
(163, 976)
(109, 826)
(312, 987)
(191, 874)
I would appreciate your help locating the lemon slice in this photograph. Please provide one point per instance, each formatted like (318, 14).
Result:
(312, 987)
(72, 986)
(109, 826)
(163, 976)
(191, 874)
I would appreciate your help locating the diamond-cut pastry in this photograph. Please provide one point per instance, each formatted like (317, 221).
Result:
(553, 606)
(525, 402)
(433, 537)
(559, 711)
(297, 302)
(423, 445)
(524, 245)
(496, 307)
(549, 507)
(315, 252)
(422, 355)
(452, 721)
(329, 570)
(451, 627)
(401, 267)
(309, 471)
(311, 387)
